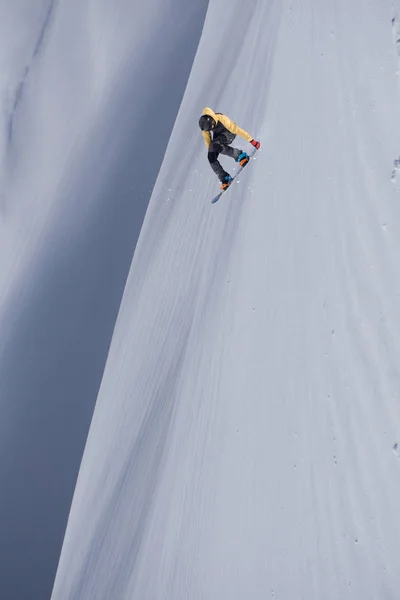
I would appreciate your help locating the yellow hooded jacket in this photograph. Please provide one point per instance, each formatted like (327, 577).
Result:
(226, 122)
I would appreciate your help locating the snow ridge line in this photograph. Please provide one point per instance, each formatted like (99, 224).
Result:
(396, 41)
(20, 87)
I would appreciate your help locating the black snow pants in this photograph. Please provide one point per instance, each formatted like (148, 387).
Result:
(221, 145)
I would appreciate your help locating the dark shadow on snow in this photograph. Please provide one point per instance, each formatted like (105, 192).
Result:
(62, 322)
(20, 87)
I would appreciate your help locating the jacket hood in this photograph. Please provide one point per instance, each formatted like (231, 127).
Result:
(209, 111)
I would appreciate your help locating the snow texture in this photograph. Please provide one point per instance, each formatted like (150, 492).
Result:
(245, 435)
(244, 442)
(87, 104)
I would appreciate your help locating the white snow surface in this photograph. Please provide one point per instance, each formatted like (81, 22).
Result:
(245, 438)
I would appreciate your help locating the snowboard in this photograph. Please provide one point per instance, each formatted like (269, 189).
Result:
(218, 196)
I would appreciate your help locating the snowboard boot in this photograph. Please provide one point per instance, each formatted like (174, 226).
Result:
(226, 182)
(243, 159)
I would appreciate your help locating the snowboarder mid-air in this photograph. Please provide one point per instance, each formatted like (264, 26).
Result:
(224, 132)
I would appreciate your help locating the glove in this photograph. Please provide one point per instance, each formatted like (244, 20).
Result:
(255, 144)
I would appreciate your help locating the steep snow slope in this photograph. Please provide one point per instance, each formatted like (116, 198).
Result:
(244, 442)
(89, 92)
(22, 30)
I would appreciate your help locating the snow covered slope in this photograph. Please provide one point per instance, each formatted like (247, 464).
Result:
(244, 442)
(89, 92)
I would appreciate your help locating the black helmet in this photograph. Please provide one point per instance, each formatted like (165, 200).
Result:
(206, 123)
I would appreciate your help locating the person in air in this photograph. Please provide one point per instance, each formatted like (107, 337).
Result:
(223, 132)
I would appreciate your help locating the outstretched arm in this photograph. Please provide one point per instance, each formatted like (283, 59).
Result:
(233, 128)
